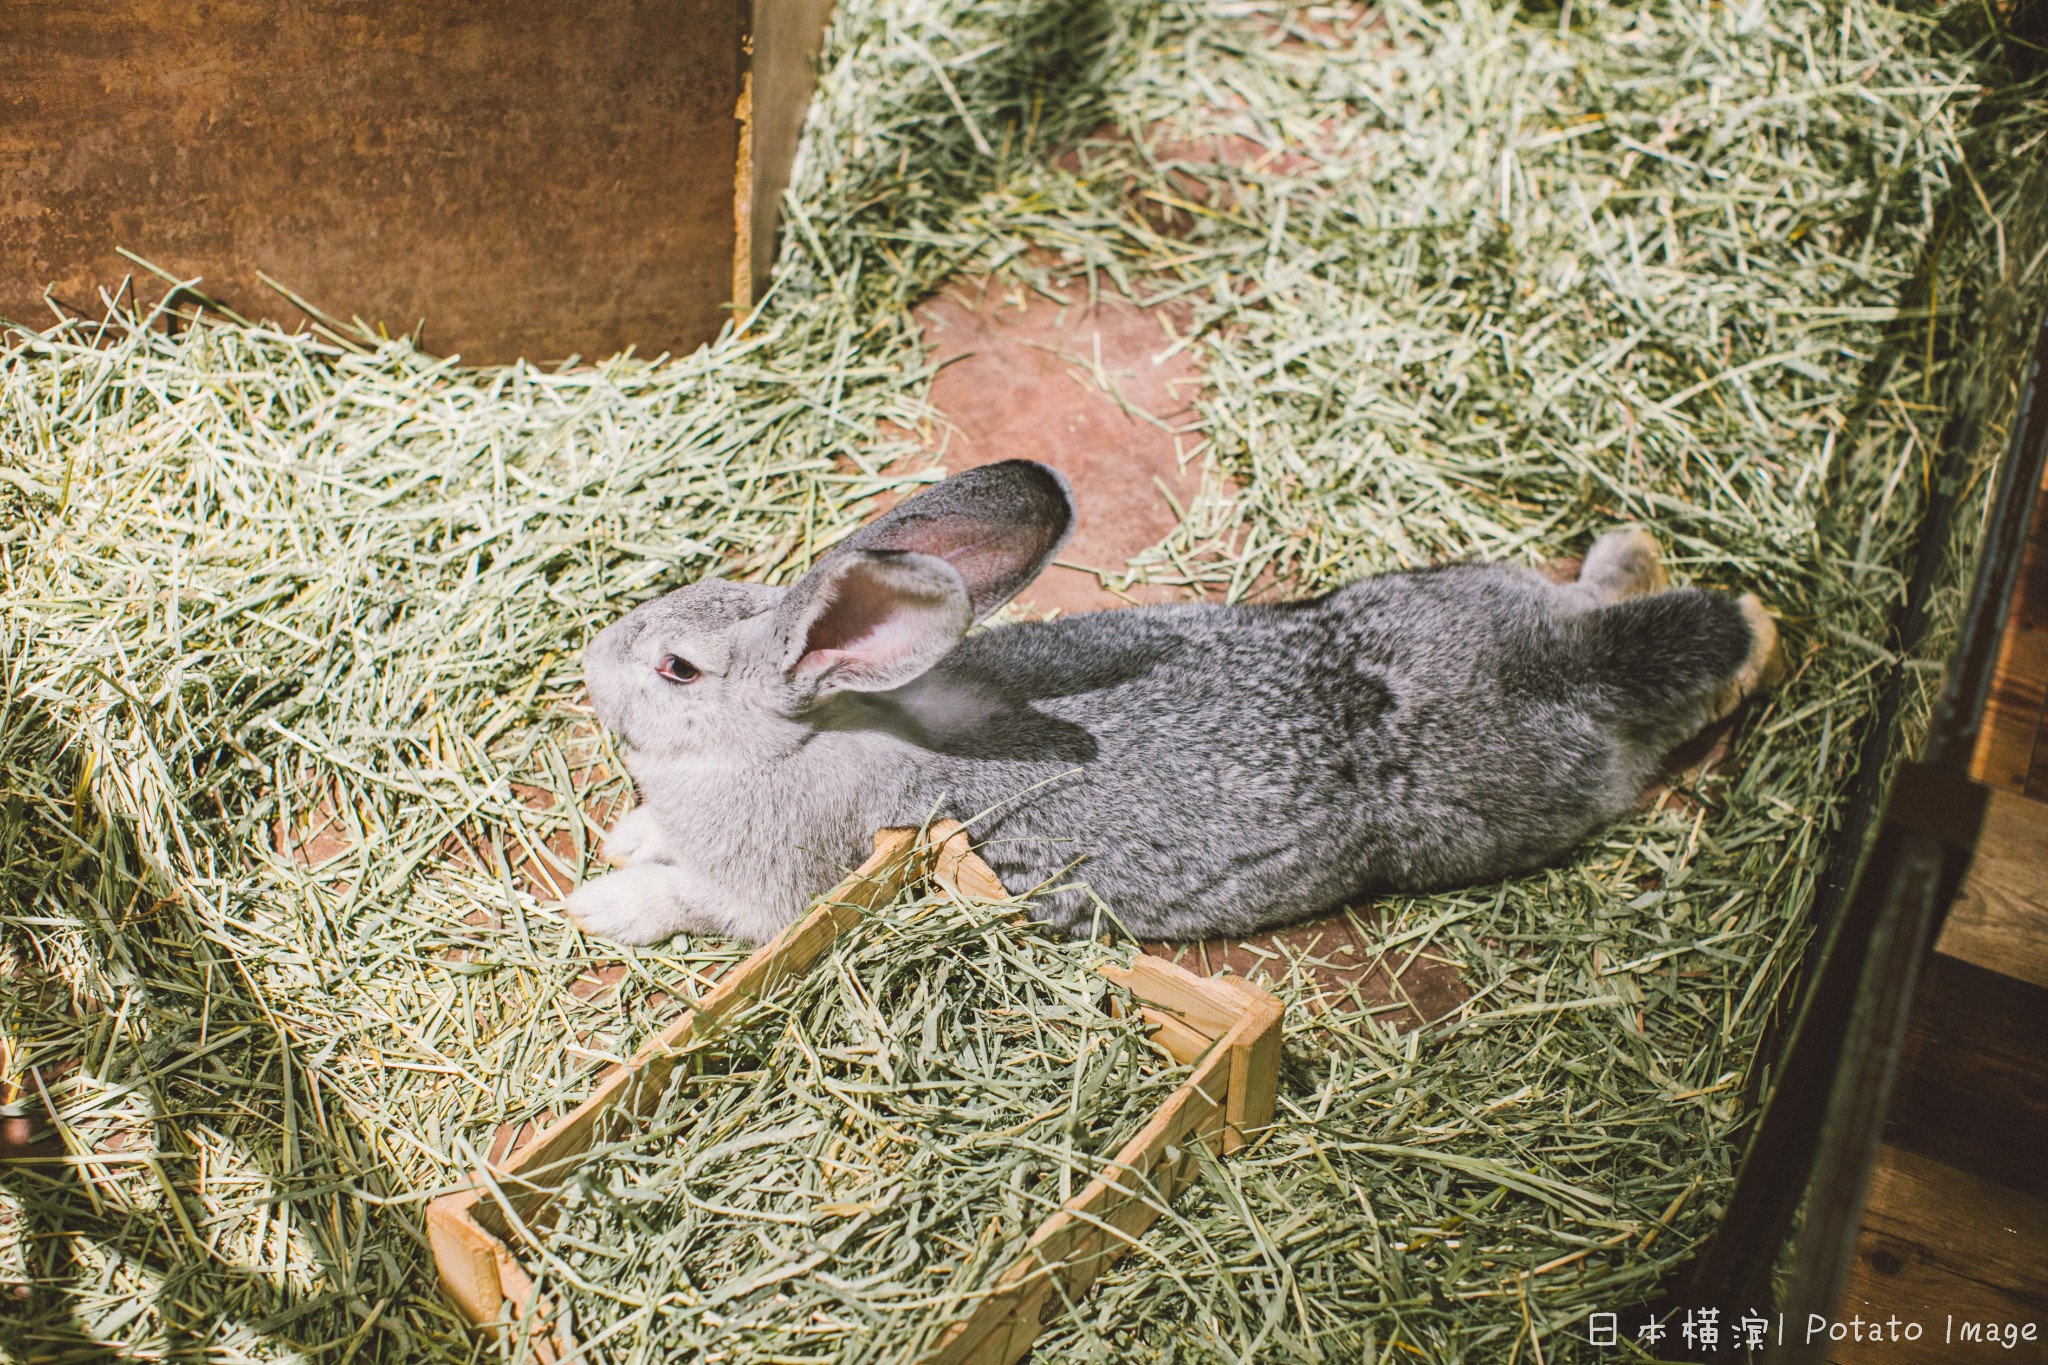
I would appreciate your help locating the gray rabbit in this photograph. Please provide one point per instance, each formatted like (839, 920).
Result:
(1205, 769)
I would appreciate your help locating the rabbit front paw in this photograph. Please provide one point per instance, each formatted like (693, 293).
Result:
(642, 904)
(629, 837)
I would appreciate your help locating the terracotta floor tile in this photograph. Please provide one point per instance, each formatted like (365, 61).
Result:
(1333, 959)
(1097, 390)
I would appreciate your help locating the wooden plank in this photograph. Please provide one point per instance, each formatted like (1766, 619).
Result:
(1971, 1088)
(525, 178)
(1189, 1012)
(1257, 1073)
(466, 1256)
(958, 870)
(545, 1344)
(1999, 920)
(1205, 1005)
(2011, 731)
(1941, 1247)
(1182, 1042)
(2037, 770)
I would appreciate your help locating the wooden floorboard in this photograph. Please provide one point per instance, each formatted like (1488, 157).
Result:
(2000, 917)
(1972, 1083)
(1944, 1248)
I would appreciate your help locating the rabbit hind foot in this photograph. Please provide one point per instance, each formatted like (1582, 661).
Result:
(1624, 563)
(1762, 668)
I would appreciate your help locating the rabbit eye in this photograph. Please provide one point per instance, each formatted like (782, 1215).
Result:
(676, 668)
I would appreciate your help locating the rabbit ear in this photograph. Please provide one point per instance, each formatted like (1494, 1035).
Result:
(998, 526)
(868, 621)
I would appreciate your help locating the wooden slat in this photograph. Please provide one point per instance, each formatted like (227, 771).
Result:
(466, 1226)
(777, 88)
(1940, 1245)
(2010, 752)
(2000, 917)
(1071, 1248)
(1971, 1088)
(465, 1254)
(1208, 1006)
(1256, 1074)
(956, 868)
(2012, 725)
(1184, 1044)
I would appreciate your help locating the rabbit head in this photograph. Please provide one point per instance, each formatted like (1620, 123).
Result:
(734, 668)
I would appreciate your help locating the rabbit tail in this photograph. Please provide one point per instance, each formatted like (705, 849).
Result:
(1668, 664)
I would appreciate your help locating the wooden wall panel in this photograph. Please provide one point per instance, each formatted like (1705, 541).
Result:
(529, 178)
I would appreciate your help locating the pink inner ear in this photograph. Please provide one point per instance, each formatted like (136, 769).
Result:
(981, 552)
(864, 621)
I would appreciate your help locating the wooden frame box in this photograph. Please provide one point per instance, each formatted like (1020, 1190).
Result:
(527, 178)
(1227, 1028)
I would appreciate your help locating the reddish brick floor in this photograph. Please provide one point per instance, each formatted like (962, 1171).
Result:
(1097, 389)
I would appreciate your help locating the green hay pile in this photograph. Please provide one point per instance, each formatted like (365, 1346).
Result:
(847, 1167)
(291, 738)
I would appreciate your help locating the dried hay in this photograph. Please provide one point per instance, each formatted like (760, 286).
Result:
(292, 736)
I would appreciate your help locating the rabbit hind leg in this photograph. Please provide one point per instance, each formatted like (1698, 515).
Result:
(1669, 664)
(1761, 668)
(1624, 563)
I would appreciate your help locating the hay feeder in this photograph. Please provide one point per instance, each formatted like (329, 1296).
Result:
(1226, 1028)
